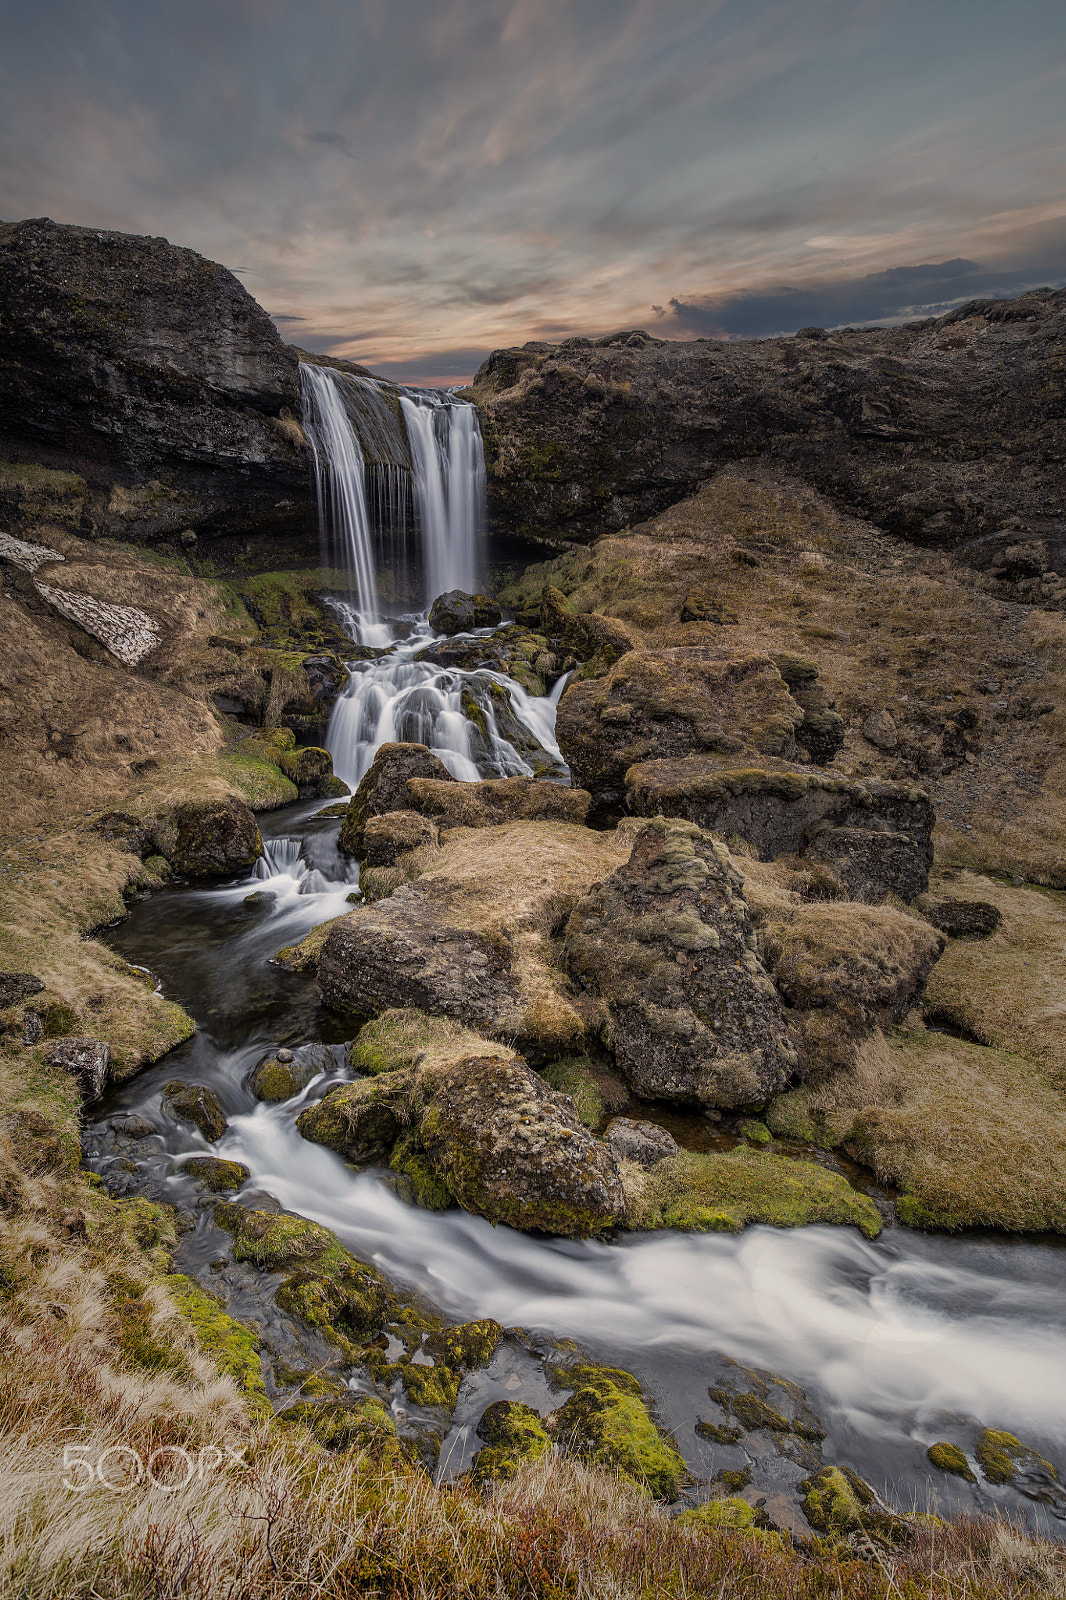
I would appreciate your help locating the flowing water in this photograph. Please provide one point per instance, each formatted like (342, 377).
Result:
(899, 1342)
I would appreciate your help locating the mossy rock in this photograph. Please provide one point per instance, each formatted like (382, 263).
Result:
(218, 1175)
(364, 1425)
(233, 1347)
(275, 1081)
(422, 1183)
(361, 1121)
(1002, 1457)
(593, 1090)
(514, 1434)
(195, 1103)
(836, 1501)
(949, 1458)
(731, 1515)
(756, 1133)
(606, 1420)
(404, 1037)
(724, 1192)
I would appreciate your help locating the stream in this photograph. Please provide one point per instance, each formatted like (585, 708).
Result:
(898, 1342)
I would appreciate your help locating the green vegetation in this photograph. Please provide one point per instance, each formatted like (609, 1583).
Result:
(513, 1434)
(949, 1458)
(723, 1192)
(233, 1347)
(607, 1420)
(594, 1091)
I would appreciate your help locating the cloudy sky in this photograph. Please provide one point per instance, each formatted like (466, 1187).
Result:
(414, 182)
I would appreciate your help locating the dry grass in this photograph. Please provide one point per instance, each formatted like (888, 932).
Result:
(891, 627)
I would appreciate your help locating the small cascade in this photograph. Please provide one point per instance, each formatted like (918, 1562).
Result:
(292, 865)
(449, 486)
(480, 723)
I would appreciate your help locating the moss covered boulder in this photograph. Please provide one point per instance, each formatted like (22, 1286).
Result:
(388, 837)
(661, 704)
(495, 800)
(311, 770)
(208, 838)
(949, 1458)
(458, 612)
(514, 1434)
(607, 1420)
(195, 1103)
(384, 788)
(218, 1176)
(512, 1151)
(362, 1121)
(279, 1076)
(667, 945)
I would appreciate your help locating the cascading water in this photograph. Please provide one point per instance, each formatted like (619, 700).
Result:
(480, 722)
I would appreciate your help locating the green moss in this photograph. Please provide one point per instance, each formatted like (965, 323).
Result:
(138, 1343)
(262, 786)
(361, 1120)
(403, 1037)
(233, 1347)
(427, 1188)
(364, 1425)
(723, 1192)
(607, 1420)
(717, 1433)
(996, 1453)
(275, 1082)
(717, 1516)
(514, 1434)
(789, 1117)
(949, 1458)
(756, 1133)
(594, 1091)
(218, 1175)
(835, 1500)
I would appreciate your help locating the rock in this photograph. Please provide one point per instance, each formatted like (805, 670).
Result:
(219, 1176)
(607, 1420)
(458, 612)
(880, 729)
(194, 1102)
(278, 1077)
(962, 919)
(128, 633)
(16, 986)
(779, 807)
(893, 425)
(821, 733)
(496, 800)
(514, 1434)
(512, 1151)
(1005, 1459)
(707, 605)
(949, 1458)
(489, 708)
(208, 838)
(311, 770)
(88, 1059)
(362, 1121)
(850, 968)
(387, 837)
(137, 360)
(671, 703)
(871, 864)
(666, 942)
(384, 788)
(642, 1142)
(518, 652)
(472, 936)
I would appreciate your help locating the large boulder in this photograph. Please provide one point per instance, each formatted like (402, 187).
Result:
(458, 612)
(658, 704)
(666, 945)
(384, 788)
(151, 372)
(513, 1151)
(495, 800)
(208, 838)
(472, 937)
(877, 835)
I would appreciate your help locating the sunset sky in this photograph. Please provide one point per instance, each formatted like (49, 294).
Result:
(414, 182)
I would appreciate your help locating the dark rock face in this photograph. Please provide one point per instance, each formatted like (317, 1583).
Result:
(458, 612)
(878, 835)
(514, 1152)
(653, 704)
(153, 373)
(88, 1059)
(667, 944)
(403, 952)
(209, 838)
(942, 431)
(384, 788)
(962, 919)
(195, 1103)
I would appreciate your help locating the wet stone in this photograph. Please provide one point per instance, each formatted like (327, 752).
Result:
(195, 1103)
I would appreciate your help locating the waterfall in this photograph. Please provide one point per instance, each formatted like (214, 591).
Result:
(394, 449)
(449, 485)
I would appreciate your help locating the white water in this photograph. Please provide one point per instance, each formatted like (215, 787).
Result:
(418, 702)
(449, 486)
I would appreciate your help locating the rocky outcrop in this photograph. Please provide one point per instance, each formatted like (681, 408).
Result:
(876, 835)
(384, 788)
(152, 373)
(945, 431)
(208, 838)
(657, 704)
(667, 946)
(496, 800)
